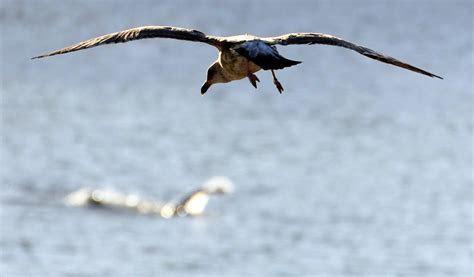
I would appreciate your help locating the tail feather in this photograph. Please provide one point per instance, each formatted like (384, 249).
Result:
(264, 55)
(278, 63)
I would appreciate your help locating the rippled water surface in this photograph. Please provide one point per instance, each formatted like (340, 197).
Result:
(358, 169)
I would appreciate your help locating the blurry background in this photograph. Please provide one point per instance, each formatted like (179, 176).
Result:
(358, 169)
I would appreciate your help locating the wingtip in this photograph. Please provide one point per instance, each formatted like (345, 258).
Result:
(434, 76)
(43, 56)
(429, 74)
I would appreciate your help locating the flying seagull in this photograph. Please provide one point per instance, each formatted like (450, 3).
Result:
(239, 56)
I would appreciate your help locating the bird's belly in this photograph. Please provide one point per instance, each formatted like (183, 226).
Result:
(236, 66)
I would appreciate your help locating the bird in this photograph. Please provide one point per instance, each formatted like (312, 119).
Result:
(192, 204)
(239, 56)
(195, 202)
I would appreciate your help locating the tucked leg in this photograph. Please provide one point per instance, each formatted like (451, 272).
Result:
(253, 79)
(277, 83)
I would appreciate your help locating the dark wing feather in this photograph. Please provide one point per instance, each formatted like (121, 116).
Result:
(263, 55)
(317, 38)
(136, 34)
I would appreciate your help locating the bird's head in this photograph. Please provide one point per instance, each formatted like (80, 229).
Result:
(214, 76)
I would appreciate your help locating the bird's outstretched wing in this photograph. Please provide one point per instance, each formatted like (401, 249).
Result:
(264, 55)
(136, 34)
(318, 38)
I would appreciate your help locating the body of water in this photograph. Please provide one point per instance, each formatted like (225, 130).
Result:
(358, 169)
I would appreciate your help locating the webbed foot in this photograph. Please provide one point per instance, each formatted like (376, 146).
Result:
(277, 83)
(253, 79)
